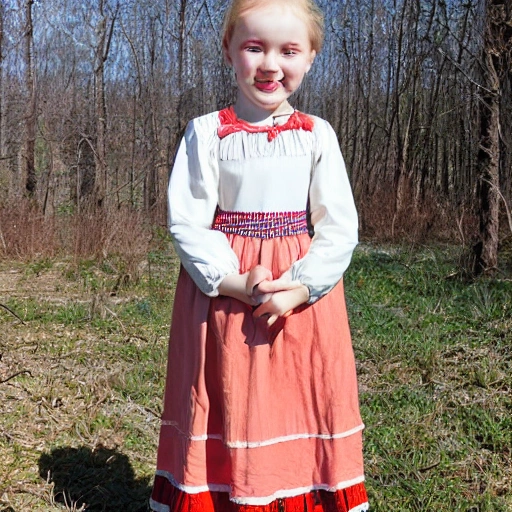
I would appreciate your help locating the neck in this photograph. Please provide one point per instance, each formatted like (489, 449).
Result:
(255, 115)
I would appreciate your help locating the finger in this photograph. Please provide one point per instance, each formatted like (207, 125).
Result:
(265, 309)
(260, 272)
(277, 286)
(260, 311)
(272, 320)
(261, 298)
(256, 276)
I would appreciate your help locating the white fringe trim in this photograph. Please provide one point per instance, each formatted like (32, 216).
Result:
(265, 500)
(203, 437)
(266, 442)
(242, 145)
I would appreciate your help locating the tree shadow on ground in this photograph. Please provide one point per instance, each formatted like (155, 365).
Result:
(94, 480)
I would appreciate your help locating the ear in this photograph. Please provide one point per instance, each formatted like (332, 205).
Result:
(311, 60)
(225, 52)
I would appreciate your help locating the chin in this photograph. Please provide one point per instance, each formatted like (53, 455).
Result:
(272, 108)
(272, 104)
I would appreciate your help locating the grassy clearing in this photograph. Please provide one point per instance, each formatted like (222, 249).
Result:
(82, 378)
(434, 358)
(82, 381)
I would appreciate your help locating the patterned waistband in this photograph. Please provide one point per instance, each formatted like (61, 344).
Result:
(261, 224)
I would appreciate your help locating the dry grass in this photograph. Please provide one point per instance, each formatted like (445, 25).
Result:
(26, 234)
(81, 381)
(417, 222)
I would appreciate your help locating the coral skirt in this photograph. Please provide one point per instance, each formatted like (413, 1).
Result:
(259, 419)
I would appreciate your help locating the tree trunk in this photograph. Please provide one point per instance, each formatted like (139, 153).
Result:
(496, 58)
(100, 181)
(29, 170)
(104, 33)
(486, 250)
(1, 79)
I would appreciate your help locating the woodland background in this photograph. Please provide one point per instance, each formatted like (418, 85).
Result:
(94, 97)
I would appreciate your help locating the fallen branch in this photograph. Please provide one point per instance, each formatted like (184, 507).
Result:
(12, 312)
(16, 375)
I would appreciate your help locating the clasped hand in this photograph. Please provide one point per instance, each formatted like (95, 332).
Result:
(274, 297)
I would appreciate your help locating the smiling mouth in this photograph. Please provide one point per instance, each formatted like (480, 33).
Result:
(267, 86)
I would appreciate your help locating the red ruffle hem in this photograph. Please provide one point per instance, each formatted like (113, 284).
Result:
(344, 500)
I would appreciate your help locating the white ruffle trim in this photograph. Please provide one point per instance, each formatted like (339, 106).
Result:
(158, 507)
(265, 442)
(262, 501)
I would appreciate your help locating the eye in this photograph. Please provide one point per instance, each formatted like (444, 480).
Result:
(253, 49)
(289, 52)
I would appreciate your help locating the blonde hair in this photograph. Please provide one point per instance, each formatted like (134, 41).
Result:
(306, 9)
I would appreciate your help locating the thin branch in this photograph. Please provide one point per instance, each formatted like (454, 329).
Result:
(16, 375)
(195, 19)
(111, 33)
(456, 64)
(116, 317)
(11, 311)
(2, 239)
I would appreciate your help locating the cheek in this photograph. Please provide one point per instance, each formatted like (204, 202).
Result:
(299, 70)
(244, 64)
(293, 72)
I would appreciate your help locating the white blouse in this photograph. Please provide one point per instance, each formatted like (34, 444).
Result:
(245, 172)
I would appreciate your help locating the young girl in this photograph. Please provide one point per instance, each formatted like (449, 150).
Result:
(261, 410)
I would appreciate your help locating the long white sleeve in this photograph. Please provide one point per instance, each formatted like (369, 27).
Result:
(193, 198)
(333, 216)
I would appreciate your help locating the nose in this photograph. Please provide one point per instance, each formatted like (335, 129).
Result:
(269, 63)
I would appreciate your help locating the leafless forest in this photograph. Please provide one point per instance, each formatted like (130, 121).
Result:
(95, 95)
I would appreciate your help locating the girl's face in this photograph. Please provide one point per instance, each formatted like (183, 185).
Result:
(270, 51)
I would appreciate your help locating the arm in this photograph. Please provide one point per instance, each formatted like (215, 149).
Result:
(193, 196)
(333, 216)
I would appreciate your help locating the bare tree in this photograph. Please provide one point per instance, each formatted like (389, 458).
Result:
(1, 79)
(496, 61)
(29, 169)
(405, 83)
(104, 32)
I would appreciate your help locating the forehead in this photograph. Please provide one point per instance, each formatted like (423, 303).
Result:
(273, 22)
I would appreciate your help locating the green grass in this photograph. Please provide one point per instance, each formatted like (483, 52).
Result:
(79, 419)
(434, 357)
